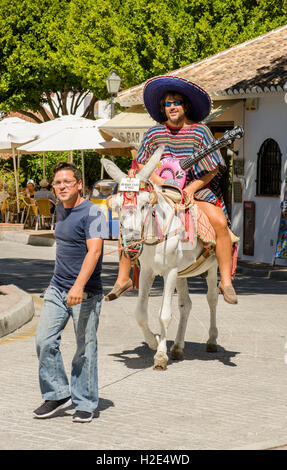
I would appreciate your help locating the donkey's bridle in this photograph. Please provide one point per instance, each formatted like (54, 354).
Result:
(134, 250)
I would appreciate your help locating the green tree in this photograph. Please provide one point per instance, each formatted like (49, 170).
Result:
(52, 50)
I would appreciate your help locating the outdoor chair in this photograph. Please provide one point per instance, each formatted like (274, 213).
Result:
(11, 214)
(44, 213)
(29, 211)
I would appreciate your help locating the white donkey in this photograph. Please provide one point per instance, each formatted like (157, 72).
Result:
(166, 255)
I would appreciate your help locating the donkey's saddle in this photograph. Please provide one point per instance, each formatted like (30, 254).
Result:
(174, 193)
(204, 230)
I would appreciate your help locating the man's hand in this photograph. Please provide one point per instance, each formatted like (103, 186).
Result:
(75, 296)
(189, 193)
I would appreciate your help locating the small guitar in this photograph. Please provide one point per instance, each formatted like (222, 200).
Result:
(174, 168)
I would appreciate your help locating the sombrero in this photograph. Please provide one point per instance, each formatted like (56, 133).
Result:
(156, 87)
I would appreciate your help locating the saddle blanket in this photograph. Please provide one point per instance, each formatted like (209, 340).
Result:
(197, 223)
(200, 225)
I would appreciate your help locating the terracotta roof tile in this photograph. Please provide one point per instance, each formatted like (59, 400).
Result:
(259, 62)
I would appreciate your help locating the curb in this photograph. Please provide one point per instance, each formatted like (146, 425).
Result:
(264, 272)
(28, 238)
(38, 304)
(16, 314)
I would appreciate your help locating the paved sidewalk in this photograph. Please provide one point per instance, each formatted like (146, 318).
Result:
(233, 399)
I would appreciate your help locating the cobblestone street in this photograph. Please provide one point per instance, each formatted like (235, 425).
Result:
(232, 399)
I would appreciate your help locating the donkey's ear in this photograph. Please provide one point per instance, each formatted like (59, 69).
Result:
(151, 165)
(113, 170)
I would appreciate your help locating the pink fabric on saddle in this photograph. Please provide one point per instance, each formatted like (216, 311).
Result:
(234, 260)
(135, 165)
(190, 227)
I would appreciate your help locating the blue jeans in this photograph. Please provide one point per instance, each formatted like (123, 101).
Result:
(84, 374)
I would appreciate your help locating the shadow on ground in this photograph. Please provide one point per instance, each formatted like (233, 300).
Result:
(141, 357)
(34, 275)
(104, 404)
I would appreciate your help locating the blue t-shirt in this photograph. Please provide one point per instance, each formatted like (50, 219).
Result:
(73, 228)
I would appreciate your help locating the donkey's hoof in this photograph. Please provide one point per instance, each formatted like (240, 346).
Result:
(160, 361)
(176, 353)
(211, 348)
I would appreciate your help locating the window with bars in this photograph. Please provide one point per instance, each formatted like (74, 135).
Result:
(269, 169)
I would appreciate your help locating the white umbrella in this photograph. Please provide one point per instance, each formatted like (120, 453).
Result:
(53, 126)
(73, 133)
(65, 140)
(67, 121)
(14, 132)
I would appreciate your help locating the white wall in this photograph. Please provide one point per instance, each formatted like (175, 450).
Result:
(268, 121)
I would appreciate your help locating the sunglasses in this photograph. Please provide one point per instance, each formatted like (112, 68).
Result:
(175, 103)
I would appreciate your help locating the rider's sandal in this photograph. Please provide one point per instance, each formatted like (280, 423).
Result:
(229, 294)
(117, 290)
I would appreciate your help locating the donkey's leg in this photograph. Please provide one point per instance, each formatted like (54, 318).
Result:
(184, 305)
(161, 358)
(145, 283)
(212, 298)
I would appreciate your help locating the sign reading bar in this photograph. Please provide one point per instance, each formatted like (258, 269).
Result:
(129, 184)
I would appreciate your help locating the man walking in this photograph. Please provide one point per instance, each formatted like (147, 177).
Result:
(75, 290)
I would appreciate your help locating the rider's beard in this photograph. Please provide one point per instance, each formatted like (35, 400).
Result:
(177, 119)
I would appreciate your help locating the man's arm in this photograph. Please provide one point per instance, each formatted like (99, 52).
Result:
(75, 294)
(200, 183)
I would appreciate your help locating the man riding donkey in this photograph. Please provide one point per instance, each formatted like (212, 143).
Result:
(180, 105)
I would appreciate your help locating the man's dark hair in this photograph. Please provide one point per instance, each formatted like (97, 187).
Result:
(67, 166)
(186, 104)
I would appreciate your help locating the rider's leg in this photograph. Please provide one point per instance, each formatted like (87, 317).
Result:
(123, 281)
(124, 270)
(223, 242)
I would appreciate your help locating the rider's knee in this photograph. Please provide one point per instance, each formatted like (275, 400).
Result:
(220, 225)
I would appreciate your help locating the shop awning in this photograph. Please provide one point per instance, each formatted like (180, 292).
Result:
(220, 108)
(128, 126)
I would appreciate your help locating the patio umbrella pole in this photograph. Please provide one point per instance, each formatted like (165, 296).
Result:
(16, 184)
(18, 159)
(44, 165)
(83, 173)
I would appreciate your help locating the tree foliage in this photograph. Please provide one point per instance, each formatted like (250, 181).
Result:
(50, 49)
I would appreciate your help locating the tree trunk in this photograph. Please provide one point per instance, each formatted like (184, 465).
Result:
(31, 115)
(89, 111)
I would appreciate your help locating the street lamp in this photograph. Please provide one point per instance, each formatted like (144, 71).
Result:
(113, 85)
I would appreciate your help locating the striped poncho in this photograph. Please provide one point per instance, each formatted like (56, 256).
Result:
(180, 143)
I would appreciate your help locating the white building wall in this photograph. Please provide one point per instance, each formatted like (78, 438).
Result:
(268, 121)
(102, 108)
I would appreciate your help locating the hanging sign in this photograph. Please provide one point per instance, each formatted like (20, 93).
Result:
(129, 184)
